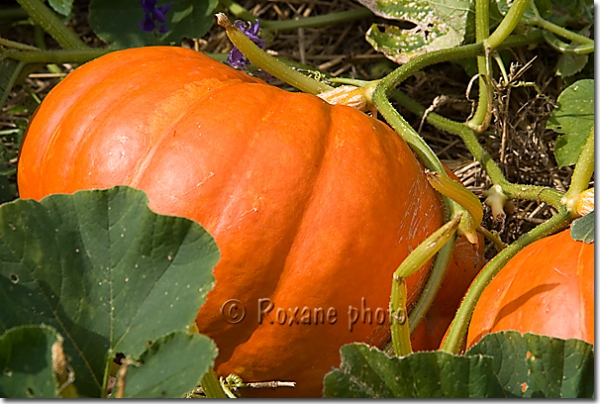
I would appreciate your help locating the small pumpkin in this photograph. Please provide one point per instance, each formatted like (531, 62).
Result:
(313, 206)
(547, 288)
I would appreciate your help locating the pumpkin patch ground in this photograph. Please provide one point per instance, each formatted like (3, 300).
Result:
(178, 222)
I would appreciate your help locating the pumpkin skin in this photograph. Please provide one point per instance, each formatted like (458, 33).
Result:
(547, 288)
(311, 205)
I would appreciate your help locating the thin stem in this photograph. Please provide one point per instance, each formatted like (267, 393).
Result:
(55, 56)
(508, 24)
(564, 47)
(427, 249)
(560, 31)
(269, 64)
(580, 180)
(308, 22)
(482, 116)
(211, 386)
(16, 45)
(319, 20)
(399, 320)
(431, 288)
(416, 259)
(52, 24)
(458, 329)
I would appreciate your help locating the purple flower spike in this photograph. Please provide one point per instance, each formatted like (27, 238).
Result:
(152, 15)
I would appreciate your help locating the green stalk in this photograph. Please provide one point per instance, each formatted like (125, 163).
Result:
(211, 386)
(399, 318)
(458, 329)
(508, 24)
(481, 119)
(560, 31)
(318, 21)
(16, 45)
(55, 56)
(52, 24)
(432, 287)
(264, 61)
(397, 121)
(416, 260)
(427, 249)
(584, 169)
(308, 22)
(564, 47)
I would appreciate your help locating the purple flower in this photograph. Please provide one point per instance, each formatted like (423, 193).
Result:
(153, 15)
(236, 58)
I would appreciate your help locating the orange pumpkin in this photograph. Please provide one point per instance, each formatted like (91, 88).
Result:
(546, 289)
(313, 206)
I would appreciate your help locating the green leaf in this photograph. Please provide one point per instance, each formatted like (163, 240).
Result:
(574, 118)
(10, 70)
(570, 64)
(62, 7)
(171, 367)
(582, 229)
(26, 362)
(438, 25)
(531, 365)
(109, 274)
(506, 364)
(116, 21)
(368, 372)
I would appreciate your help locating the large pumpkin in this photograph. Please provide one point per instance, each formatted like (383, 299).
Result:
(546, 289)
(312, 206)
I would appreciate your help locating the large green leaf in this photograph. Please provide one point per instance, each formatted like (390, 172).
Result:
(186, 355)
(574, 118)
(506, 364)
(109, 274)
(531, 365)
(368, 372)
(26, 362)
(116, 21)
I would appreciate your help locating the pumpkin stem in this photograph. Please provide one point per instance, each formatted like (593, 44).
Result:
(360, 98)
(267, 63)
